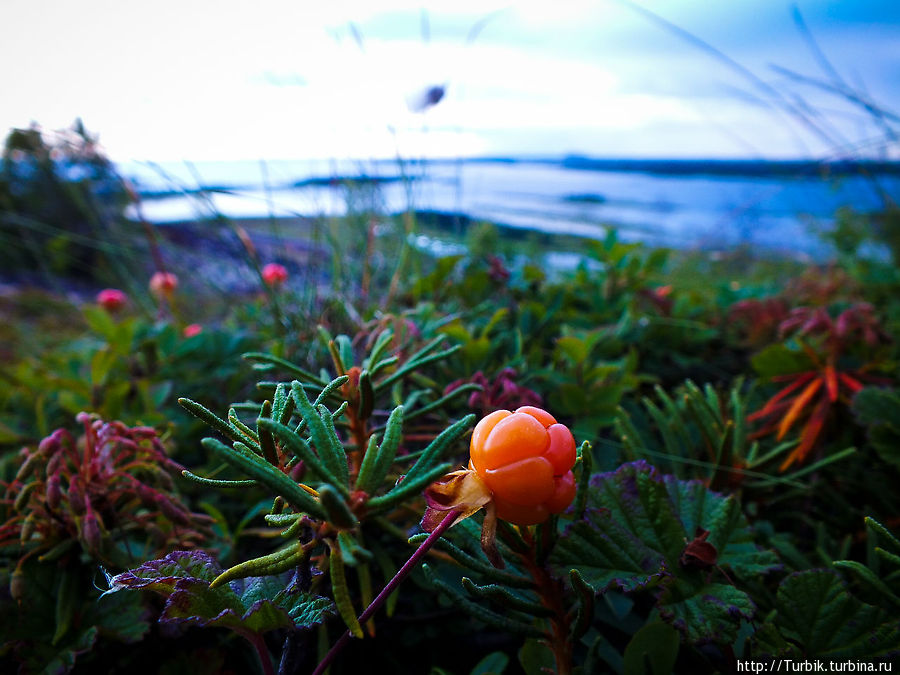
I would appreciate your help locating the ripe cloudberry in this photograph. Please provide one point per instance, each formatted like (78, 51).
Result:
(525, 458)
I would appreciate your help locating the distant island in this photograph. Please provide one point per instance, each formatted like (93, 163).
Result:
(735, 167)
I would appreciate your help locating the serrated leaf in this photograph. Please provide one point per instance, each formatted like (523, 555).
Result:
(253, 605)
(873, 405)
(817, 615)
(704, 611)
(697, 507)
(122, 616)
(635, 530)
(879, 409)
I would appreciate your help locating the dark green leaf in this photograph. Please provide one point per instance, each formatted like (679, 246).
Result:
(253, 605)
(637, 525)
(652, 650)
(817, 616)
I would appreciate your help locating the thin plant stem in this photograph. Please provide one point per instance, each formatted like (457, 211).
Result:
(262, 652)
(398, 578)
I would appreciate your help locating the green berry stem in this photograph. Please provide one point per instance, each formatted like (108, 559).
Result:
(398, 578)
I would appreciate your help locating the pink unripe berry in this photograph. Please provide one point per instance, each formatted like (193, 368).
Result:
(163, 284)
(192, 329)
(111, 299)
(274, 274)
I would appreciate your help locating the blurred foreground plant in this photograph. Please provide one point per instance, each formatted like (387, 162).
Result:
(836, 356)
(106, 497)
(108, 494)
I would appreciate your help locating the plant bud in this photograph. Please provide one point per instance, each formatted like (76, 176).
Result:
(54, 491)
(77, 498)
(53, 464)
(27, 528)
(32, 464)
(22, 498)
(17, 585)
(90, 533)
(173, 512)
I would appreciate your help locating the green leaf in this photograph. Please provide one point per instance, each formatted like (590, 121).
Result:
(408, 488)
(536, 658)
(502, 621)
(868, 577)
(267, 475)
(294, 370)
(297, 446)
(440, 446)
(819, 619)
(637, 525)
(873, 405)
(342, 593)
(492, 664)
(248, 606)
(387, 451)
(652, 650)
(67, 600)
(879, 410)
(703, 610)
(778, 359)
(328, 447)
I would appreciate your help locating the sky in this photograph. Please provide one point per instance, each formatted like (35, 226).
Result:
(276, 79)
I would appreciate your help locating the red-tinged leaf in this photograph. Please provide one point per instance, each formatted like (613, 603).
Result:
(787, 377)
(809, 435)
(851, 383)
(831, 380)
(772, 402)
(799, 404)
(774, 413)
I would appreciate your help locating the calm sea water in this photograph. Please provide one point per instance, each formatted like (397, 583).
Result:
(683, 211)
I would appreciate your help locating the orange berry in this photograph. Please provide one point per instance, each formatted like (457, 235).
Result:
(521, 515)
(525, 458)
(541, 416)
(563, 493)
(528, 482)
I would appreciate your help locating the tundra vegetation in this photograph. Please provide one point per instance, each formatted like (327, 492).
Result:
(218, 467)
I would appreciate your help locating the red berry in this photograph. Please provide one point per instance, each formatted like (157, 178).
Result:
(163, 284)
(274, 274)
(111, 299)
(192, 329)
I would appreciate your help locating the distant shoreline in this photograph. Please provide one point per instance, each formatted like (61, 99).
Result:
(737, 167)
(387, 171)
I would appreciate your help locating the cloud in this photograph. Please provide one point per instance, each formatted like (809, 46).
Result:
(286, 79)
